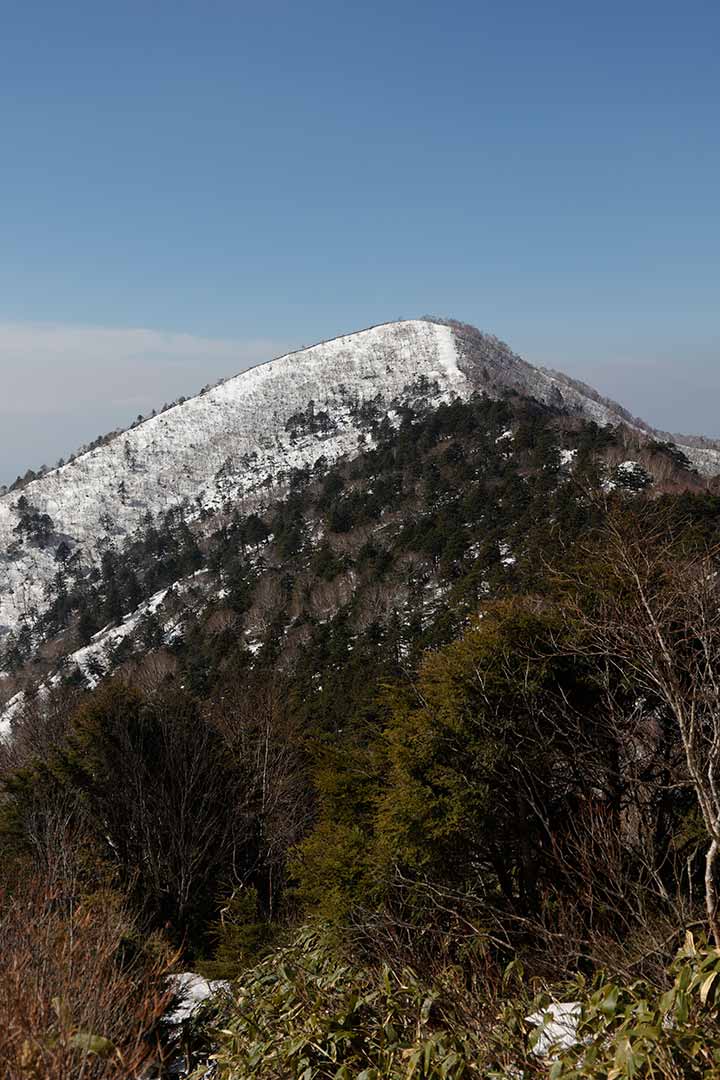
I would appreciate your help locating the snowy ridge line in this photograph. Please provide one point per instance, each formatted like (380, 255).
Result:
(231, 442)
(225, 444)
(120, 432)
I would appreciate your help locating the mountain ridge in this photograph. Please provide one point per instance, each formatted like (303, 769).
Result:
(236, 441)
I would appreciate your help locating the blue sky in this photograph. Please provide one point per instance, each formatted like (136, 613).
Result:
(188, 187)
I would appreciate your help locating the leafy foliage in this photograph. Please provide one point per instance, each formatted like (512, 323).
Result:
(308, 1012)
(374, 705)
(641, 1030)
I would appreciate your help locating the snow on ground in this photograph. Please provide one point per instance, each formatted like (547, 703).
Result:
(12, 709)
(229, 442)
(193, 990)
(558, 1025)
(447, 361)
(506, 556)
(629, 469)
(93, 659)
(223, 444)
(704, 459)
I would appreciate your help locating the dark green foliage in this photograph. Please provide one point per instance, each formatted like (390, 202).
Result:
(238, 936)
(445, 764)
(310, 422)
(593, 438)
(632, 477)
(288, 528)
(325, 563)
(447, 782)
(33, 526)
(672, 452)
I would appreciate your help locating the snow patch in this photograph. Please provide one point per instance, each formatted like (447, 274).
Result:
(558, 1025)
(193, 990)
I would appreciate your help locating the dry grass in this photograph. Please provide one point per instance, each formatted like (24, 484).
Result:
(76, 998)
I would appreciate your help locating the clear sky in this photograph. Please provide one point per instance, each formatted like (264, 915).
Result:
(187, 187)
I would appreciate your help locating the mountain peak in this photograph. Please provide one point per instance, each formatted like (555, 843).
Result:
(236, 441)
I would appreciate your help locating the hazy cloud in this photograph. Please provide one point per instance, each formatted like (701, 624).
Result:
(61, 386)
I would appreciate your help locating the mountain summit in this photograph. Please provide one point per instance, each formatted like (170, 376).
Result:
(241, 439)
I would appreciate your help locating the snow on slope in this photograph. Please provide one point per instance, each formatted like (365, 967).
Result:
(93, 660)
(500, 368)
(232, 441)
(222, 444)
(705, 459)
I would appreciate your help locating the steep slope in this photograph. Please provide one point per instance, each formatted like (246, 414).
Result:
(234, 442)
(222, 445)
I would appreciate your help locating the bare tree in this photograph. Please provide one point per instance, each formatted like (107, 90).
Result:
(265, 747)
(157, 793)
(651, 608)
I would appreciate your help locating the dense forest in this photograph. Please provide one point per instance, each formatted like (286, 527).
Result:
(424, 743)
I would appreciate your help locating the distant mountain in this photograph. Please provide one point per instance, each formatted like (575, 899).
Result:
(238, 442)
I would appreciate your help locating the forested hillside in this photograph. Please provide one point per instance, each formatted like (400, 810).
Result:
(236, 444)
(421, 742)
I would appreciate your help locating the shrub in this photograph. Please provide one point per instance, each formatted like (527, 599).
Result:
(308, 1011)
(644, 1030)
(78, 996)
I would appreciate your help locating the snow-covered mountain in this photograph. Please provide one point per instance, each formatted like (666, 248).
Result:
(236, 441)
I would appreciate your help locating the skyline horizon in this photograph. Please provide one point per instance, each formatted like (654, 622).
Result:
(241, 176)
(188, 356)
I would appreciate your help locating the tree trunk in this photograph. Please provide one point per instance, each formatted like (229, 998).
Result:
(711, 892)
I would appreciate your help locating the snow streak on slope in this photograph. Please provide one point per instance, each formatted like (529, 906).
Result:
(224, 444)
(92, 661)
